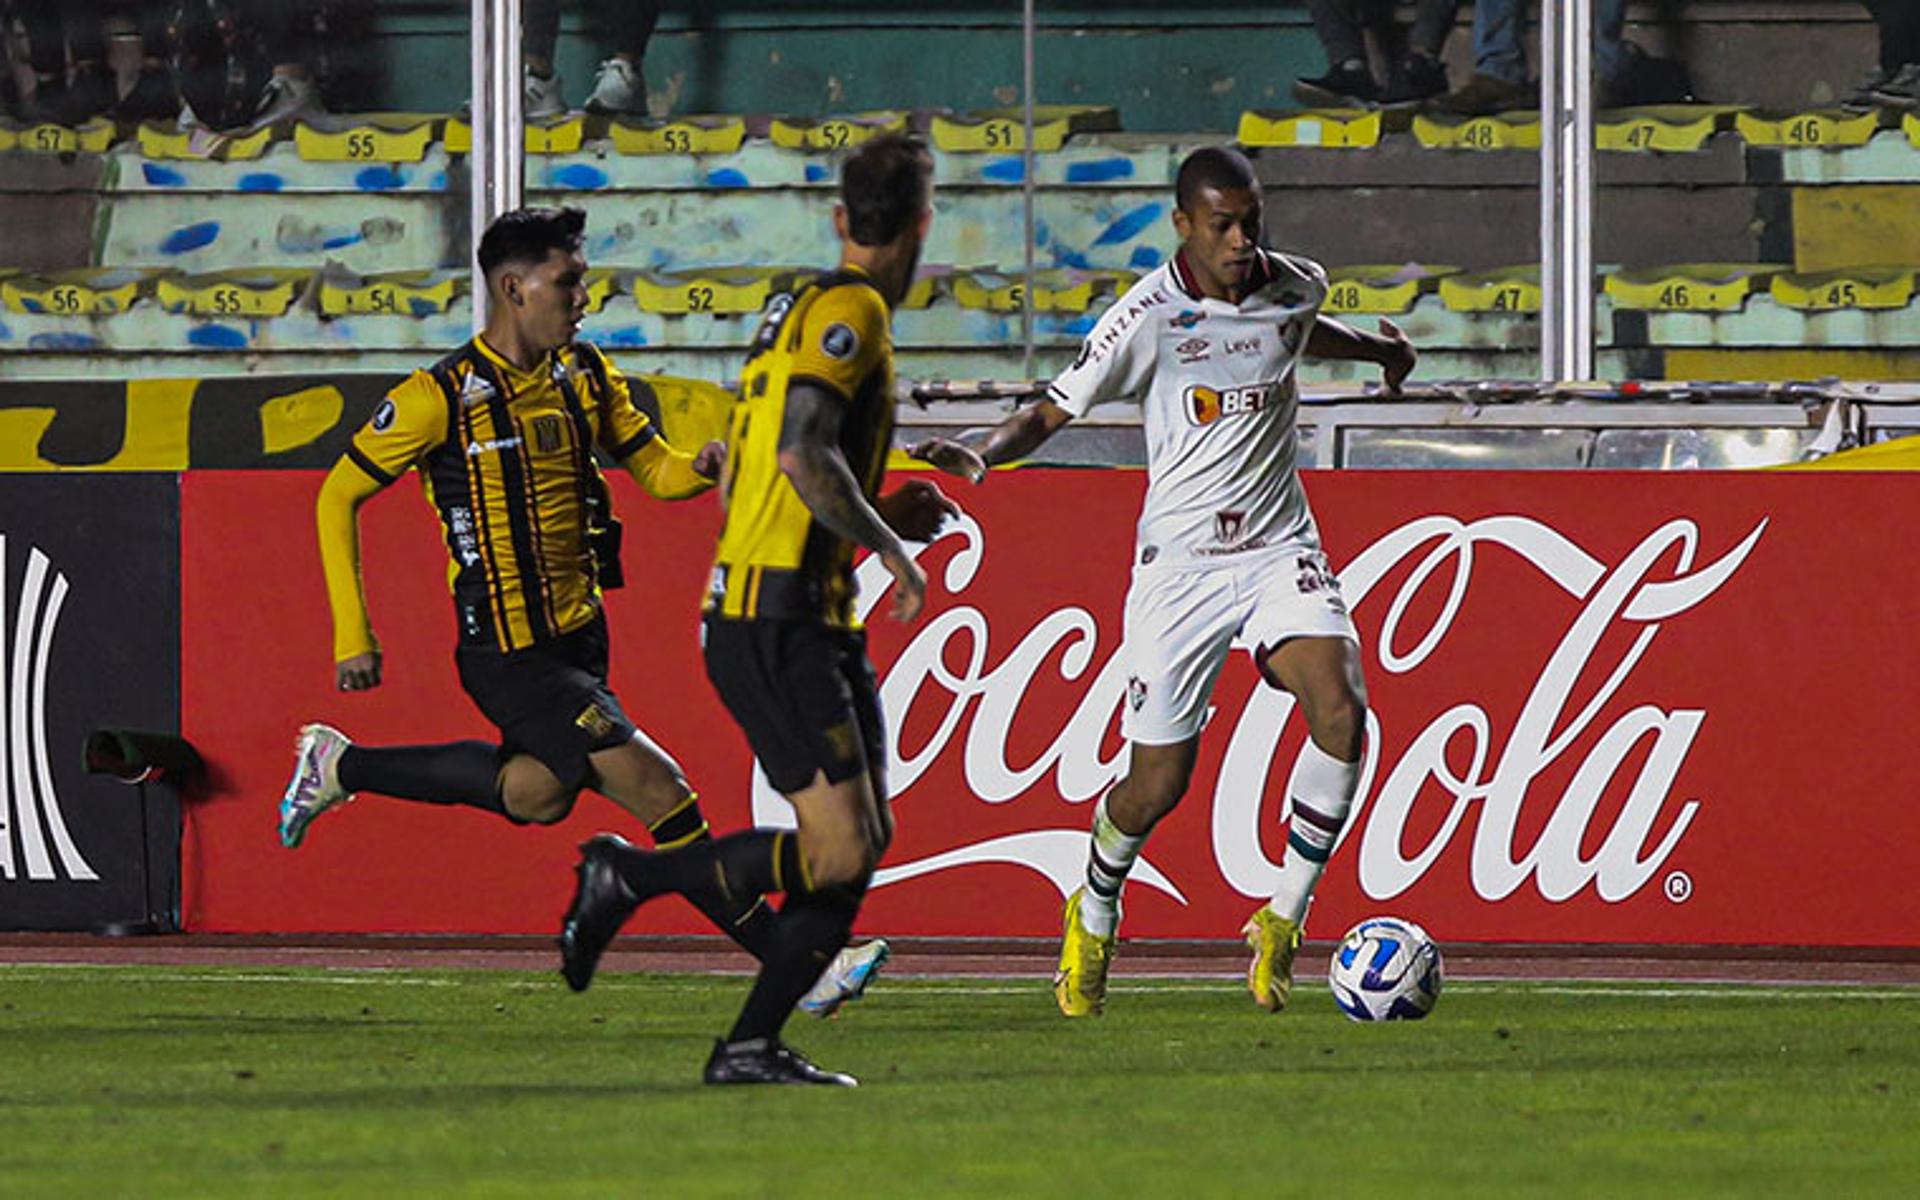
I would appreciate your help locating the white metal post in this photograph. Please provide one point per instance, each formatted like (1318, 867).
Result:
(1027, 187)
(1566, 190)
(495, 164)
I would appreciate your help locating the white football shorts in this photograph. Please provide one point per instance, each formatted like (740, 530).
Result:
(1182, 622)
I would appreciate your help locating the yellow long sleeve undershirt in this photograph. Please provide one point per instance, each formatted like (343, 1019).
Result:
(665, 472)
(336, 513)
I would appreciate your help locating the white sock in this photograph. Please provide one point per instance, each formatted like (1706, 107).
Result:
(1109, 857)
(1321, 793)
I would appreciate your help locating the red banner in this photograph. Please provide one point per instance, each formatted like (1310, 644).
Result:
(1606, 708)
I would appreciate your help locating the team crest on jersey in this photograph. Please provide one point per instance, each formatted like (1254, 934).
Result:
(1187, 318)
(1206, 405)
(1227, 525)
(383, 417)
(595, 720)
(839, 341)
(1193, 350)
(546, 433)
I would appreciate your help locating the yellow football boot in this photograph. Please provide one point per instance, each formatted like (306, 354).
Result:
(1273, 940)
(1080, 985)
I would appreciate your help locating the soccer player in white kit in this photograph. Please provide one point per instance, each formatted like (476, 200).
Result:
(1227, 551)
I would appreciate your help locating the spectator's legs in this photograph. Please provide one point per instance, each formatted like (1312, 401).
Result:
(1899, 22)
(1432, 21)
(1610, 55)
(1496, 41)
(1338, 24)
(539, 34)
(626, 25)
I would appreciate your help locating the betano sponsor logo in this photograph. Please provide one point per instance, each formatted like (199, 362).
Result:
(32, 829)
(1640, 754)
(1205, 405)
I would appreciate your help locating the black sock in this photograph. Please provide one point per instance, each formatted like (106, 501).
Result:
(455, 773)
(748, 920)
(739, 867)
(812, 928)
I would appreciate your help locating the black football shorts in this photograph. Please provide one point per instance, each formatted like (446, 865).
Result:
(550, 700)
(804, 694)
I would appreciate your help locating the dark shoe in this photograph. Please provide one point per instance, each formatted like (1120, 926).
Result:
(1419, 77)
(1345, 86)
(602, 902)
(1644, 79)
(1861, 98)
(153, 98)
(1484, 95)
(766, 1060)
(1902, 91)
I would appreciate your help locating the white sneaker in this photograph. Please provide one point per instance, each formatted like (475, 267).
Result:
(285, 98)
(315, 786)
(619, 90)
(846, 977)
(540, 97)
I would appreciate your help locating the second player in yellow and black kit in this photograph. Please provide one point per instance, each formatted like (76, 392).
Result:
(783, 644)
(807, 447)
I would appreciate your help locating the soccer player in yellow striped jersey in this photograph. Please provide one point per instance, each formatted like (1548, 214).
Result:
(806, 453)
(502, 433)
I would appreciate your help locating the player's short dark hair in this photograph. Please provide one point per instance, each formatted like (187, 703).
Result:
(528, 235)
(1219, 167)
(885, 186)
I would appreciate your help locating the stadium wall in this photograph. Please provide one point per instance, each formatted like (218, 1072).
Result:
(1610, 707)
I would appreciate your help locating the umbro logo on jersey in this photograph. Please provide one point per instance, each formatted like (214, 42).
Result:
(1206, 405)
(1193, 350)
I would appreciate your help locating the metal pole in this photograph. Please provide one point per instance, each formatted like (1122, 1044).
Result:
(1026, 189)
(495, 164)
(1566, 190)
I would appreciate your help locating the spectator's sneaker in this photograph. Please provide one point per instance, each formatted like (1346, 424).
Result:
(846, 978)
(1418, 78)
(767, 1060)
(316, 781)
(153, 98)
(619, 90)
(1860, 99)
(602, 902)
(1274, 941)
(1080, 983)
(540, 97)
(1902, 91)
(285, 98)
(1345, 86)
(1484, 95)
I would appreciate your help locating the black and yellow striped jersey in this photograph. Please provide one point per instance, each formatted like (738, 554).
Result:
(506, 457)
(774, 560)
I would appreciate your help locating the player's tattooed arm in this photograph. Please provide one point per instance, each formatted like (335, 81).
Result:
(810, 458)
(1390, 348)
(1023, 432)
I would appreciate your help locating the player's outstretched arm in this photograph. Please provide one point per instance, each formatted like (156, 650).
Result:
(810, 458)
(1390, 348)
(356, 652)
(1024, 431)
(670, 474)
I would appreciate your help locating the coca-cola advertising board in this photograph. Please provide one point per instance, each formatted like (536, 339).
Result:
(1606, 707)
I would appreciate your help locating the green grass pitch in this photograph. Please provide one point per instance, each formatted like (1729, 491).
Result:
(235, 1082)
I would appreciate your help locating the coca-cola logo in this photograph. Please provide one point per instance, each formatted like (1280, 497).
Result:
(1637, 753)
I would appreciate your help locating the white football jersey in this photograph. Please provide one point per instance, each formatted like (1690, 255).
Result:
(1216, 382)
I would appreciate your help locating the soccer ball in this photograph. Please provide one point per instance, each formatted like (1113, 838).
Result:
(1386, 969)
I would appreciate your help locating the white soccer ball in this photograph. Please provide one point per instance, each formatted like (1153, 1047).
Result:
(1385, 969)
